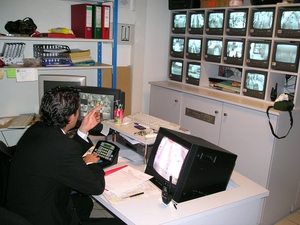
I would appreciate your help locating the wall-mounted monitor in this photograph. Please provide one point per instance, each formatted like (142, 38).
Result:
(261, 22)
(193, 72)
(196, 22)
(179, 22)
(236, 22)
(213, 49)
(285, 56)
(176, 70)
(193, 48)
(234, 51)
(177, 47)
(255, 83)
(215, 21)
(288, 22)
(192, 167)
(258, 53)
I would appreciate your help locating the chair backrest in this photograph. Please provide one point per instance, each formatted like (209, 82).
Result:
(5, 159)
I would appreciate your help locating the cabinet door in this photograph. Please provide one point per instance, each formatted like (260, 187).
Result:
(246, 133)
(165, 104)
(201, 116)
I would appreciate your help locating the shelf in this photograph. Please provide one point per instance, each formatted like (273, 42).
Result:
(43, 39)
(96, 66)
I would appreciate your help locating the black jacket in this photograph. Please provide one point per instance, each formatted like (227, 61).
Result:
(46, 166)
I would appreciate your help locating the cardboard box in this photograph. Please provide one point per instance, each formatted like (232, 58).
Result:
(214, 3)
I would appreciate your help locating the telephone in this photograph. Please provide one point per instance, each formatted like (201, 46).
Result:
(108, 153)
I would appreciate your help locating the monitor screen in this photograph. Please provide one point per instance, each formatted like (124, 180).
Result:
(176, 154)
(177, 47)
(213, 49)
(258, 53)
(193, 72)
(193, 50)
(197, 167)
(234, 51)
(176, 70)
(288, 22)
(90, 97)
(261, 23)
(179, 22)
(237, 22)
(215, 22)
(285, 56)
(196, 22)
(255, 83)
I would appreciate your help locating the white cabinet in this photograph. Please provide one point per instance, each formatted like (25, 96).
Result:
(165, 104)
(241, 126)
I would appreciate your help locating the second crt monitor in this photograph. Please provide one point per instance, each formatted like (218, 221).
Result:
(197, 167)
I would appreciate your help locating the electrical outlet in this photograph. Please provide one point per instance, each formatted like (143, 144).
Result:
(125, 34)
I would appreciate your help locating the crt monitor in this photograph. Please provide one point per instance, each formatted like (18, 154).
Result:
(215, 22)
(179, 22)
(285, 56)
(234, 51)
(261, 22)
(258, 53)
(90, 97)
(196, 22)
(177, 47)
(255, 83)
(288, 22)
(193, 48)
(193, 72)
(213, 49)
(176, 70)
(236, 22)
(196, 166)
(48, 81)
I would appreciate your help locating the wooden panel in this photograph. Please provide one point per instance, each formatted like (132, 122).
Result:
(123, 83)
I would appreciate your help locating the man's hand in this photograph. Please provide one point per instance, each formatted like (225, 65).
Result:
(90, 120)
(91, 158)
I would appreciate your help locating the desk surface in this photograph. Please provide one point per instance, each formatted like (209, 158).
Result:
(240, 194)
(129, 130)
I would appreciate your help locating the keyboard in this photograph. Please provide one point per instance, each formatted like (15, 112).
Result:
(22, 120)
(152, 121)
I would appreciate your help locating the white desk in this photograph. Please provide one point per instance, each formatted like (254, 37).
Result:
(240, 204)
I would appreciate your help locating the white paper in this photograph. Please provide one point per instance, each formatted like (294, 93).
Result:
(29, 74)
(147, 187)
(124, 180)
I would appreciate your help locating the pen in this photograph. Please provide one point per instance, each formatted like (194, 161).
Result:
(137, 194)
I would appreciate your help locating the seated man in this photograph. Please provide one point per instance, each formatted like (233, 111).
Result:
(48, 165)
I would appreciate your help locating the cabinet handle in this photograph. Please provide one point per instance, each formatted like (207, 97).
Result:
(176, 100)
(216, 112)
(225, 114)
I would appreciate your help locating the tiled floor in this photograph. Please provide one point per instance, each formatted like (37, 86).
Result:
(292, 219)
(100, 211)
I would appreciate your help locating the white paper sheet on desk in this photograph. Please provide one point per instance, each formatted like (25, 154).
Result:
(147, 187)
(124, 180)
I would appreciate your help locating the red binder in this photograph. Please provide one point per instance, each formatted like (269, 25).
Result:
(105, 21)
(81, 20)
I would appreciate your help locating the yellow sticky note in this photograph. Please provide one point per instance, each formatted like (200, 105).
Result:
(1, 74)
(11, 73)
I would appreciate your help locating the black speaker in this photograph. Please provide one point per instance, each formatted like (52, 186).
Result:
(183, 4)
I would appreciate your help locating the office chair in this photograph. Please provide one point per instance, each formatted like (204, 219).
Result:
(6, 216)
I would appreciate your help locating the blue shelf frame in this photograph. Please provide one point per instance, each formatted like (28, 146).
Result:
(114, 49)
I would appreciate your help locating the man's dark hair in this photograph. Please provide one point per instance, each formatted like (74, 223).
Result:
(58, 104)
